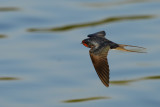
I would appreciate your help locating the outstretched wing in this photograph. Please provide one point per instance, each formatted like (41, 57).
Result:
(100, 62)
(98, 34)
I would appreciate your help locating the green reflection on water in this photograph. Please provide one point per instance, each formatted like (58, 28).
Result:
(4, 9)
(127, 82)
(85, 99)
(113, 3)
(2, 36)
(8, 78)
(95, 23)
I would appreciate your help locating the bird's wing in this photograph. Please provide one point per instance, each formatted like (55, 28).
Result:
(98, 34)
(99, 60)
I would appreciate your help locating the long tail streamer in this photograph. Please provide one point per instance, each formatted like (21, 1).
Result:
(130, 48)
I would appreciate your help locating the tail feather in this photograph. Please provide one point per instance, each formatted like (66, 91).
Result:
(133, 48)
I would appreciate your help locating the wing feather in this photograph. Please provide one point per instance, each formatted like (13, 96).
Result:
(101, 66)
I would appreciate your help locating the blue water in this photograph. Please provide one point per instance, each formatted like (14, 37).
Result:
(43, 64)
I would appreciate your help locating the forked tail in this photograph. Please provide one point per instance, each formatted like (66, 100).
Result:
(131, 48)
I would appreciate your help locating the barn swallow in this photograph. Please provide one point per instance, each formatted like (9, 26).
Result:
(99, 50)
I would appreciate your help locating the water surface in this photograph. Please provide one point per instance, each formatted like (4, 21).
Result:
(43, 64)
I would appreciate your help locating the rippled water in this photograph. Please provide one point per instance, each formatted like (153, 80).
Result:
(43, 64)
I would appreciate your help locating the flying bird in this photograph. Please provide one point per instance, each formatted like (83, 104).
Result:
(99, 50)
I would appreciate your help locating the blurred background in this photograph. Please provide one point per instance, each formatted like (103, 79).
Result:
(43, 64)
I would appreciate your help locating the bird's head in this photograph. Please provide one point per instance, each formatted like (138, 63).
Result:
(90, 43)
(87, 43)
(94, 39)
